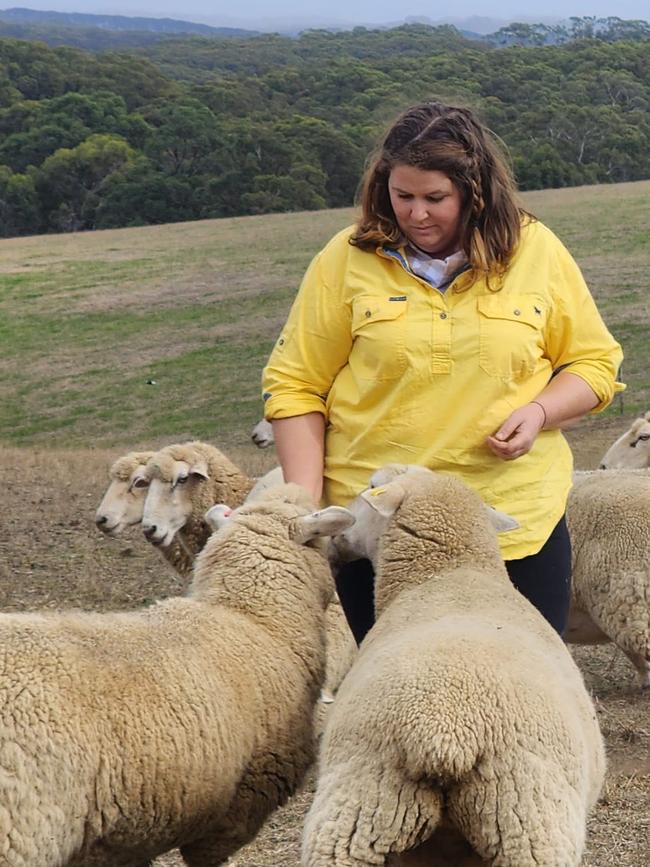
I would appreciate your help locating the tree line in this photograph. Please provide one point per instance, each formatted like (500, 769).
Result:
(193, 128)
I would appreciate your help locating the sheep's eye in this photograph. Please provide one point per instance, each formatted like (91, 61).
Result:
(140, 483)
(181, 480)
(644, 438)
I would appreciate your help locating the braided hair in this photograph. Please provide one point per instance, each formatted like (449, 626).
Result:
(436, 137)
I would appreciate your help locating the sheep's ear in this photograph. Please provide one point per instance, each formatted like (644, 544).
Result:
(326, 522)
(385, 499)
(500, 521)
(199, 469)
(217, 516)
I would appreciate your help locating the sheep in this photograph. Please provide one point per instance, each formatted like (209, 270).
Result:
(185, 479)
(262, 434)
(464, 723)
(632, 449)
(608, 516)
(122, 504)
(126, 734)
(268, 480)
(130, 479)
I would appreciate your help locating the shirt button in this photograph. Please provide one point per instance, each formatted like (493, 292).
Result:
(368, 313)
(517, 311)
(443, 315)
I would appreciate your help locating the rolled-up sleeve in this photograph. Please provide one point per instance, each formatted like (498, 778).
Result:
(577, 339)
(314, 344)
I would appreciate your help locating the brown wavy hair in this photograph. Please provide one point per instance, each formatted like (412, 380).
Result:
(451, 140)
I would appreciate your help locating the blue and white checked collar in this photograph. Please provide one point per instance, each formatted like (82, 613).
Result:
(439, 273)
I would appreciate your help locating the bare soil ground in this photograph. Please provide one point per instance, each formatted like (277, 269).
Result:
(52, 556)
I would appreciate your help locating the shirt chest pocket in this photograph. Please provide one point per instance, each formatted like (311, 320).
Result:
(379, 334)
(511, 334)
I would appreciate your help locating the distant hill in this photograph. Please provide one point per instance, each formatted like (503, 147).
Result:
(171, 26)
(611, 29)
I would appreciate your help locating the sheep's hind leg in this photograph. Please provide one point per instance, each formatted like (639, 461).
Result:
(520, 812)
(358, 819)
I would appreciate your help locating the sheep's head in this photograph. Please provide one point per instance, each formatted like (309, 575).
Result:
(262, 434)
(361, 540)
(284, 510)
(631, 451)
(123, 503)
(429, 507)
(173, 477)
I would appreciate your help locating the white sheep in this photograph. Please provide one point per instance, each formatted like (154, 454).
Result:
(262, 434)
(185, 480)
(122, 504)
(608, 516)
(632, 449)
(129, 485)
(126, 734)
(464, 721)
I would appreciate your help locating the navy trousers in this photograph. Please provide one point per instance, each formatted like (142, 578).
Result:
(543, 578)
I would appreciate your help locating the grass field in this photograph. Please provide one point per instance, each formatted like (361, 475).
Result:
(88, 321)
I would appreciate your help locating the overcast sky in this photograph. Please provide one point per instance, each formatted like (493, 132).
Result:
(262, 14)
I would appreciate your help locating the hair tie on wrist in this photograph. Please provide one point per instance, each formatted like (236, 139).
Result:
(541, 406)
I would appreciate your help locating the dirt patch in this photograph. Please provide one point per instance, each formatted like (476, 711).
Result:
(52, 556)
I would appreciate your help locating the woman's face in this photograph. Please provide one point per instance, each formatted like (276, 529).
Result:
(427, 208)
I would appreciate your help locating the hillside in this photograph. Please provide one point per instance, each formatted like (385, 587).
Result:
(134, 335)
(190, 127)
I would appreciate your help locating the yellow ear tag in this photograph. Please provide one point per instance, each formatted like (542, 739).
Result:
(375, 492)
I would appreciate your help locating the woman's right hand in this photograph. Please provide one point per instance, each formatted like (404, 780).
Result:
(519, 431)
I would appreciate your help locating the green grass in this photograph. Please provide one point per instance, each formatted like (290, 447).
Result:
(87, 320)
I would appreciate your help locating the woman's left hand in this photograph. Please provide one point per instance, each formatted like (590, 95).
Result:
(517, 434)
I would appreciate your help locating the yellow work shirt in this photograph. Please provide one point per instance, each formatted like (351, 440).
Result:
(405, 373)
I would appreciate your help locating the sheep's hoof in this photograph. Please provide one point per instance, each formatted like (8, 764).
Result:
(326, 697)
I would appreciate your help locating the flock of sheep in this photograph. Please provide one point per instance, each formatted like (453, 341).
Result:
(461, 733)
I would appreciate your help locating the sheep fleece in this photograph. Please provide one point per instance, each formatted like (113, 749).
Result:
(126, 734)
(463, 709)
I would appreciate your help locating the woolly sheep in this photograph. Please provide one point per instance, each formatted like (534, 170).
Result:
(608, 516)
(185, 480)
(262, 434)
(125, 734)
(632, 449)
(464, 721)
(122, 504)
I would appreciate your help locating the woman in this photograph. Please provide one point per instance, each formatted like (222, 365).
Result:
(430, 333)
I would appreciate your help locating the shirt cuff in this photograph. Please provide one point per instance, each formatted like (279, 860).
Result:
(284, 406)
(604, 387)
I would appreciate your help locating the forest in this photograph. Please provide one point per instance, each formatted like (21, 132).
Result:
(190, 127)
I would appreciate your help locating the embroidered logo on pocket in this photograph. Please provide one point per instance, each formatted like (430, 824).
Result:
(397, 298)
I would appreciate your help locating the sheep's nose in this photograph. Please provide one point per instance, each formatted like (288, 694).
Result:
(149, 530)
(602, 467)
(100, 520)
